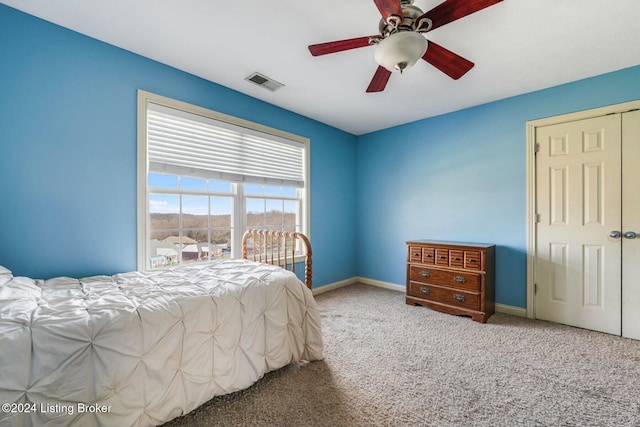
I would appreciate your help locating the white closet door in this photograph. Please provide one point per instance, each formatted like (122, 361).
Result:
(631, 223)
(578, 262)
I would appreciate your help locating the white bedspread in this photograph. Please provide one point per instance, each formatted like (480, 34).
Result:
(143, 348)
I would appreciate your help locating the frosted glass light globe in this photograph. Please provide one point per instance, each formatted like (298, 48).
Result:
(400, 50)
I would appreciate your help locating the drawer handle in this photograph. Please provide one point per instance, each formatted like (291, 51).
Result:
(425, 291)
(425, 274)
(429, 256)
(473, 260)
(459, 279)
(443, 257)
(457, 259)
(458, 297)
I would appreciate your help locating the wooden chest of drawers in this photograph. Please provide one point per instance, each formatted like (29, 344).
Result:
(455, 278)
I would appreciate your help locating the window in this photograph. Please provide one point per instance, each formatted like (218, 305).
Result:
(190, 219)
(204, 178)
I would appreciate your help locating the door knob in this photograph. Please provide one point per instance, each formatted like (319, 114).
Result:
(615, 234)
(630, 235)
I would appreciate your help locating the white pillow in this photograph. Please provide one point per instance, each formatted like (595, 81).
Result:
(5, 275)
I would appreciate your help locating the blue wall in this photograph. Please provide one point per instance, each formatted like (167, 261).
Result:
(68, 164)
(462, 177)
(68, 153)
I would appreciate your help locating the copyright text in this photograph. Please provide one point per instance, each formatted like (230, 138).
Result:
(54, 408)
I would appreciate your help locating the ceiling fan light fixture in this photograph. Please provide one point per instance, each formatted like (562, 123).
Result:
(400, 50)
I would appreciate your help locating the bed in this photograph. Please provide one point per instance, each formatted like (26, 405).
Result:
(141, 348)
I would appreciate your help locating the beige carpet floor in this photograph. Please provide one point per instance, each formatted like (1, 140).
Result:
(390, 364)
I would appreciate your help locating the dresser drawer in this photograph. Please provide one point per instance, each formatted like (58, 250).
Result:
(428, 255)
(415, 254)
(458, 280)
(456, 258)
(472, 260)
(442, 256)
(446, 296)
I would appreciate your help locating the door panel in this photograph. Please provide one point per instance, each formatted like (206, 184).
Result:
(631, 222)
(578, 267)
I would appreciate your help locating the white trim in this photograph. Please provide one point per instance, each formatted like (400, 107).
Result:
(142, 193)
(531, 216)
(353, 280)
(512, 310)
(381, 284)
(531, 180)
(333, 286)
(586, 114)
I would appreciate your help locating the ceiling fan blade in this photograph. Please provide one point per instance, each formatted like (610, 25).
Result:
(389, 8)
(340, 45)
(380, 79)
(453, 65)
(450, 11)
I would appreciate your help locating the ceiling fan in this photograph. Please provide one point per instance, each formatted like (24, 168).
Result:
(400, 43)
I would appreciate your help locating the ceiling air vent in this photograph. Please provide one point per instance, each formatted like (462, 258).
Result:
(264, 81)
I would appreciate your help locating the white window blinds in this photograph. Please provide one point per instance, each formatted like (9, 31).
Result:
(188, 144)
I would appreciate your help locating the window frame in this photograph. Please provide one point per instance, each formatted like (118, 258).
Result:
(143, 223)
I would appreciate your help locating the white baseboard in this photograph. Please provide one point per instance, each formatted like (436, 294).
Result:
(357, 279)
(381, 284)
(334, 286)
(512, 310)
(500, 308)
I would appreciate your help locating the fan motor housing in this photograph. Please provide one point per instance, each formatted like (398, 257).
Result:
(411, 14)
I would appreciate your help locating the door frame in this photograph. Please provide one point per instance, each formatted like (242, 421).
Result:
(531, 181)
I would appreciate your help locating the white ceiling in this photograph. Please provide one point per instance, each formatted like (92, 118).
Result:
(518, 46)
